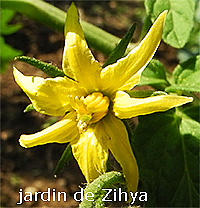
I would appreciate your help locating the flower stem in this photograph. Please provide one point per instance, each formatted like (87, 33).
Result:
(54, 18)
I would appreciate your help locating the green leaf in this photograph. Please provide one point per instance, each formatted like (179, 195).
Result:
(154, 75)
(179, 21)
(192, 112)
(191, 87)
(120, 49)
(7, 53)
(6, 16)
(191, 65)
(166, 146)
(192, 46)
(186, 76)
(104, 181)
(66, 156)
(49, 69)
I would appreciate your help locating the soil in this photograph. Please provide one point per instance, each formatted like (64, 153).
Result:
(32, 169)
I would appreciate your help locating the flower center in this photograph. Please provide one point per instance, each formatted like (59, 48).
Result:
(90, 109)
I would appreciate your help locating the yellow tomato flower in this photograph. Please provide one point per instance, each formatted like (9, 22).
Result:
(93, 101)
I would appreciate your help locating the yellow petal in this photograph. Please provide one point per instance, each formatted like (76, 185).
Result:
(115, 76)
(78, 61)
(132, 82)
(90, 154)
(48, 96)
(118, 144)
(126, 107)
(63, 131)
(27, 83)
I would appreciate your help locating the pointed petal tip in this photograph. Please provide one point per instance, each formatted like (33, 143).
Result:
(16, 72)
(18, 76)
(164, 12)
(162, 16)
(72, 21)
(185, 100)
(189, 99)
(72, 8)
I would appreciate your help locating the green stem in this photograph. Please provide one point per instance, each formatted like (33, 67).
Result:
(54, 18)
(96, 187)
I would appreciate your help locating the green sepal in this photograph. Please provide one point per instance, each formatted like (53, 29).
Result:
(29, 108)
(66, 156)
(49, 69)
(104, 181)
(120, 49)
